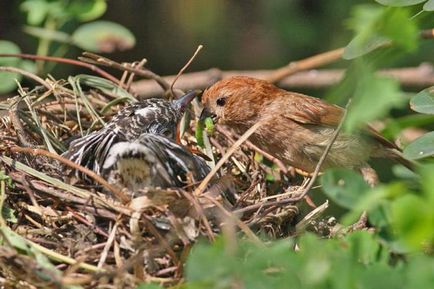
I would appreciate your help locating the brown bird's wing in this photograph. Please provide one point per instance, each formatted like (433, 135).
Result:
(309, 110)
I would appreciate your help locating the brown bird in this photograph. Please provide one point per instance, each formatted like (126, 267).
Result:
(296, 128)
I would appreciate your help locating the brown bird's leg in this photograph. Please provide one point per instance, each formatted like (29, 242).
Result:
(369, 175)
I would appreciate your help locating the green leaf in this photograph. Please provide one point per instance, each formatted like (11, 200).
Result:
(429, 6)
(399, 3)
(383, 91)
(423, 102)
(363, 246)
(344, 187)
(86, 10)
(103, 36)
(413, 220)
(377, 26)
(7, 79)
(421, 148)
(9, 215)
(36, 11)
(199, 133)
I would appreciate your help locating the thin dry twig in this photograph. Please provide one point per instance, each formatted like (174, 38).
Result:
(199, 190)
(26, 74)
(64, 60)
(94, 58)
(117, 192)
(252, 146)
(199, 48)
(239, 223)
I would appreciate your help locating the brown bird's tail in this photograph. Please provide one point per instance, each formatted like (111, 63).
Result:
(397, 156)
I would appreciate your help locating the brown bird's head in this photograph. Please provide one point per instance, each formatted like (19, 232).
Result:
(238, 100)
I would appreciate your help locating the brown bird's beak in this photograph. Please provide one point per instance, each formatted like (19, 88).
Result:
(205, 114)
(183, 101)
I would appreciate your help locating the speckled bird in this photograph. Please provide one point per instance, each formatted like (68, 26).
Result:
(143, 131)
(152, 160)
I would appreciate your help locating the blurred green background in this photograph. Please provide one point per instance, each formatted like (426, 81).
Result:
(236, 34)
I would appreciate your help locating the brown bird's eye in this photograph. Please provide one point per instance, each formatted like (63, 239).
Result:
(221, 101)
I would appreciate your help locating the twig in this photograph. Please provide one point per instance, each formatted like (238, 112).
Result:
(58, 257)
(64, 60)
(117, 192)
(275, 160)
(107, 246)
(199, 48)
(314, 214)
(199, 190)
(427, 34)
(420, 76)
(199, 209)
(27, 74)
(94, 58)
(305, 64)
(239, 223)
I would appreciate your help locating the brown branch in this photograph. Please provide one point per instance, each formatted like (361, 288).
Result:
(199, 190)
(26, 74)
(64, 60)
(97, 59)
(117, 192)
(305, 64)
(420, 76)
(427, 34)
(249, 144)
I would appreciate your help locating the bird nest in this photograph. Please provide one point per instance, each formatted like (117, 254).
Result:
(93, 238)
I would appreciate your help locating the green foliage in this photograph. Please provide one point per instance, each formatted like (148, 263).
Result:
(51, 22)
(423, 146)
(377, 26)
(428, 6)
(8, 80)
(354, 261)
(103, 36)
(45, 269)
(344, 187)
(398, 3)
(423, 102)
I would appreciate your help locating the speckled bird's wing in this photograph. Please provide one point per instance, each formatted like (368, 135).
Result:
(154, 160)
(148, 116)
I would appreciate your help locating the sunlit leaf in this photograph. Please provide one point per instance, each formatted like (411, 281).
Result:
(398, 3)
(87, 10)
(103, 36)
(413, 219)
(371, 89)
(36, 11)
(421, 148)
(423, 102)
(7, 79)
(429, 6)
(344, 187)
(377, 26)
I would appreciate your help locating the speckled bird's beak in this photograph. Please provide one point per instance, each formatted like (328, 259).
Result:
(183, 101)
